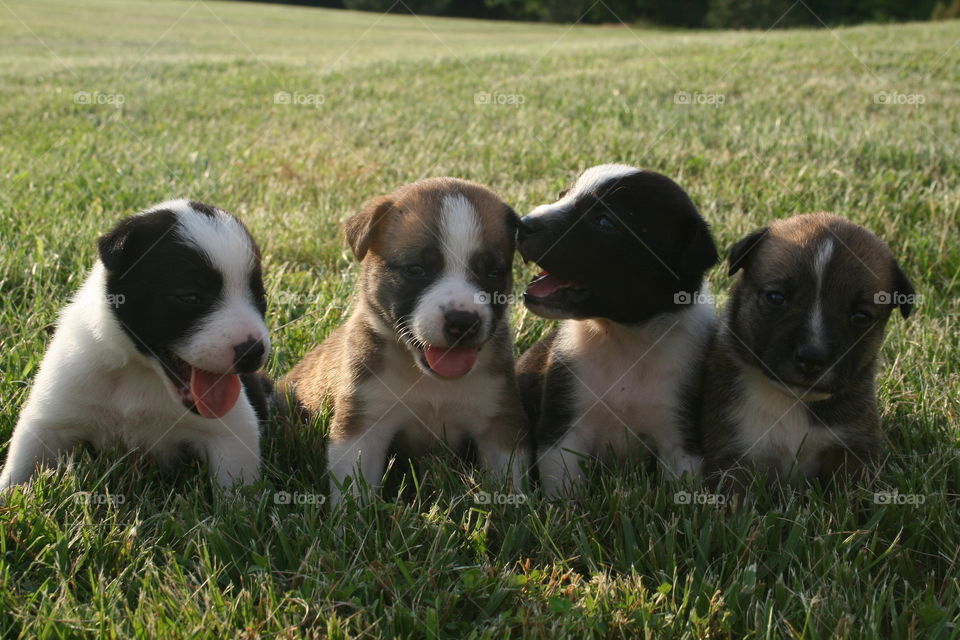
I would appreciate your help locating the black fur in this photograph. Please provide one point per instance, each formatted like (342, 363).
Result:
(630, 245)
(160, 288)
(152, 275)
(259, 390)
(627, 250)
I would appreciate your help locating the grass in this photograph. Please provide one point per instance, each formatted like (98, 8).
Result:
(155, 554)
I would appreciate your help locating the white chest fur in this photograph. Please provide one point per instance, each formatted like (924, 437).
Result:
(775, 428)
(127, 404)
(400, 398)
(629, 380)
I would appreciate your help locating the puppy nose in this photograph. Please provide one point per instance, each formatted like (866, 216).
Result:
(461, 325)
(810, 358)
(248, 355)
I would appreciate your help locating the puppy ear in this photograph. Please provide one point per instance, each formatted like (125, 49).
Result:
(740, 252)
(360, 226)
(904, 290)
(701, 252)
(113, 246)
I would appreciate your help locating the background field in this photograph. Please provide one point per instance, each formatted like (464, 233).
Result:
(809, 120)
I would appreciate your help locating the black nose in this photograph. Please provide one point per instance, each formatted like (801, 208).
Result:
(810, 358)
(527, 226)
(248, 356)
(460, 326)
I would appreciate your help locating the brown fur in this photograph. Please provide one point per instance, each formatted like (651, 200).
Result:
(746, 358)
(360, 351)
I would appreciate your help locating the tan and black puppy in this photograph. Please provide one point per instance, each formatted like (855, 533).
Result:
(426, 356)
(789, 381)
(623, 253)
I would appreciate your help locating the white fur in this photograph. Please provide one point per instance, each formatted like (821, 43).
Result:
(93, 385)
(399, 398)
(773, 425)
(820, 263)
(459, 231)
(588, 181)
(593, 177)
(236, 320)
(627, 390)
(460, 238)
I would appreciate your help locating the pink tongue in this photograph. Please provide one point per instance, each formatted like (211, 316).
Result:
(545, 285)
(451, 363)
(214, 393)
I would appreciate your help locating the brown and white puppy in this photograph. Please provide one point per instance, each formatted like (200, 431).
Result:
(789, 379)
(426, 357)
(624, 252)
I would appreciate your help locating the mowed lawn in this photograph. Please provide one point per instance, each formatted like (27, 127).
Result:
(292, 118)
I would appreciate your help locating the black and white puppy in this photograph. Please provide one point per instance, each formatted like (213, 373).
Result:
(426, 356)
(624, 252)
(154, 349)
(789, 382)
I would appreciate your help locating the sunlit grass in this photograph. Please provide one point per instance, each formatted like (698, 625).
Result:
(378, 101)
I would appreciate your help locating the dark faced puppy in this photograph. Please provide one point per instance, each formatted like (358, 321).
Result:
(426, 356)
(620, 244)
(789, 387)
(157, 349)
(624, 252)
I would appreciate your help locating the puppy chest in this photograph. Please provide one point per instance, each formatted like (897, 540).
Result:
(134, 408)
(429, 411)
(636, 397)
(133, 394)
(780, 432)
(152, 430)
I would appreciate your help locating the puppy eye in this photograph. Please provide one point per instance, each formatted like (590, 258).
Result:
(603, 222)
(775, 298)
(188, 298)
(861, 318)
(495, 274)
(414, 271)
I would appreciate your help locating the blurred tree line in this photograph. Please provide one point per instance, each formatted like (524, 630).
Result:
(715, 14)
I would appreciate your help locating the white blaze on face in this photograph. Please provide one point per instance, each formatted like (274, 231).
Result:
(235, 318)
(590, 180)
(594, 177)
(549, 209)
(821, 261)
(460, 238)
